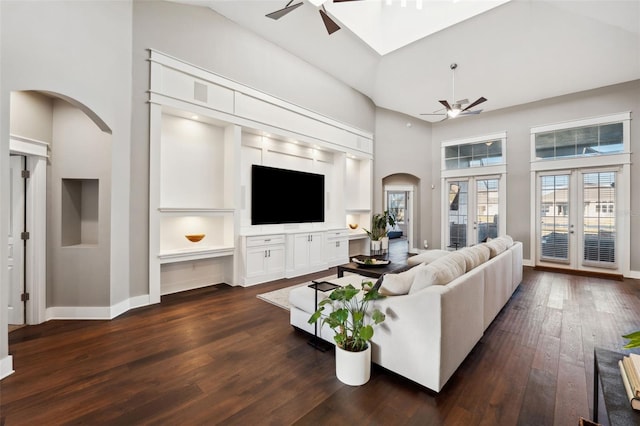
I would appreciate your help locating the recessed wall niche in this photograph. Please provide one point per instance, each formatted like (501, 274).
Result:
(79, 212)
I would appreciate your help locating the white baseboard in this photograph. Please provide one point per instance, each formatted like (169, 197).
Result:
(78, 313)
(96, 312)
(6, 366)
(186, 286)
(128, 304)
(634, 274)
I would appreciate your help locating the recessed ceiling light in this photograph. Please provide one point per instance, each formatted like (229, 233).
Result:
(194, 117)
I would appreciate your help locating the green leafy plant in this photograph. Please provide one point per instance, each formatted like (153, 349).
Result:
(348, 318)
(634, 340)
(379, 222)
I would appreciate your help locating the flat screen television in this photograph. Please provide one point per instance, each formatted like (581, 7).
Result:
(285, 196)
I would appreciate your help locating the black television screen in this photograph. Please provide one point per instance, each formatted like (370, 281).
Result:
(285, 196)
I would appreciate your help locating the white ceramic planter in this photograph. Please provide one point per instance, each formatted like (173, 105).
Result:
(375, 246)
(353, 368)
(384, 243)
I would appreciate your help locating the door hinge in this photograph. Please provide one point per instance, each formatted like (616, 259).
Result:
(24, 235)
(26, 174)
(24, 297)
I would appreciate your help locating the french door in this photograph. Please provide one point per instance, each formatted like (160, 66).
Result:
(475, 210)
(577, 219)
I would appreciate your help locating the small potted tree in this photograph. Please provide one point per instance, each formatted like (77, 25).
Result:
(349, 321)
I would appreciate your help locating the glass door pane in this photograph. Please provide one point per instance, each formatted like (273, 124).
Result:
(554, 218)
(458, 213)
(599, 218)
(487, 206)
(397, 205)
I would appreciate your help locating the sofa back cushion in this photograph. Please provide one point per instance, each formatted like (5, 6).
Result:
(439, 272)
(495, 246)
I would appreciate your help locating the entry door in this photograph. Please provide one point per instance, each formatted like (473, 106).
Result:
(577, 219)
(473, 210)
(16, 244)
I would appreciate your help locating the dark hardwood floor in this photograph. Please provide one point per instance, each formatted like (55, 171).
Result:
(219, 355)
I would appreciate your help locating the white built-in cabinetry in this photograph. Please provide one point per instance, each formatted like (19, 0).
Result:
(205, 133)
(264, 258)
(337, 247)
(306, 253)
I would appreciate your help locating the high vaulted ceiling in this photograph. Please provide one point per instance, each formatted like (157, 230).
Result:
(511, 52)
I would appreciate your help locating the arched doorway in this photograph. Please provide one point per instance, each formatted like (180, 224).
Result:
(64, 152)
(400, 199)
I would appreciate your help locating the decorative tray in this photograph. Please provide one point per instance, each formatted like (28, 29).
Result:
(370, 262)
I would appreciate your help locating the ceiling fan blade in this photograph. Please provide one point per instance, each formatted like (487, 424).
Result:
(341, 1)
(434, 113)
(477, 111)
(329, 23)
(477, 102)
(446, 105)
(280, 13)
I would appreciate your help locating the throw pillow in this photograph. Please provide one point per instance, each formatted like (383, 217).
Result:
(399, 283)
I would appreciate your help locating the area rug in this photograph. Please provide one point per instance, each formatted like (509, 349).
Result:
(280, 297)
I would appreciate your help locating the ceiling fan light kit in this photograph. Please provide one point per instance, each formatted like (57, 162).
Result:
(456, 109)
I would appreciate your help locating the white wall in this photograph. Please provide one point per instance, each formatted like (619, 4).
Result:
(517, 122)
(399, 148)
(78, 275)
(81, 50)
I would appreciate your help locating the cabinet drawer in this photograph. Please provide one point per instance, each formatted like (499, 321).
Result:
(337, 234)
(264, 240)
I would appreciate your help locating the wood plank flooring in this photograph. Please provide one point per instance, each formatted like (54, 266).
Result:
(219, 355)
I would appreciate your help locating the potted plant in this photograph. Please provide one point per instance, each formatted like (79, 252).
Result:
(634, 340)
(353, 333)
(379, 222)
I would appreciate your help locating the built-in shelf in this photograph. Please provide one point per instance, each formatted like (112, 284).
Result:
(357, 235)
(195, 211)
(205, 252)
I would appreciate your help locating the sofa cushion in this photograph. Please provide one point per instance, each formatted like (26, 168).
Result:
(427, 256)
(495, 246)
(471, 257)
(507, 240)
(396, 284)
(439, 272)
(482, 251)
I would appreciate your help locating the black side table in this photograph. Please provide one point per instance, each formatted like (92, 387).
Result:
(606, 372)
(322, 286)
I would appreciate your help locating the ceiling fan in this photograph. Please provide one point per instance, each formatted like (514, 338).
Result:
(329, 23)
(458, 107)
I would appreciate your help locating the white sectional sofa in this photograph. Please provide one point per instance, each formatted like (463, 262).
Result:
(448, 304)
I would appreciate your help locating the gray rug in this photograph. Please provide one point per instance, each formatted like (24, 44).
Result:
(280, 297)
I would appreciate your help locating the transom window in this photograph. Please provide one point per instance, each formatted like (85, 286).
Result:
(485, 153)
(580, 141)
